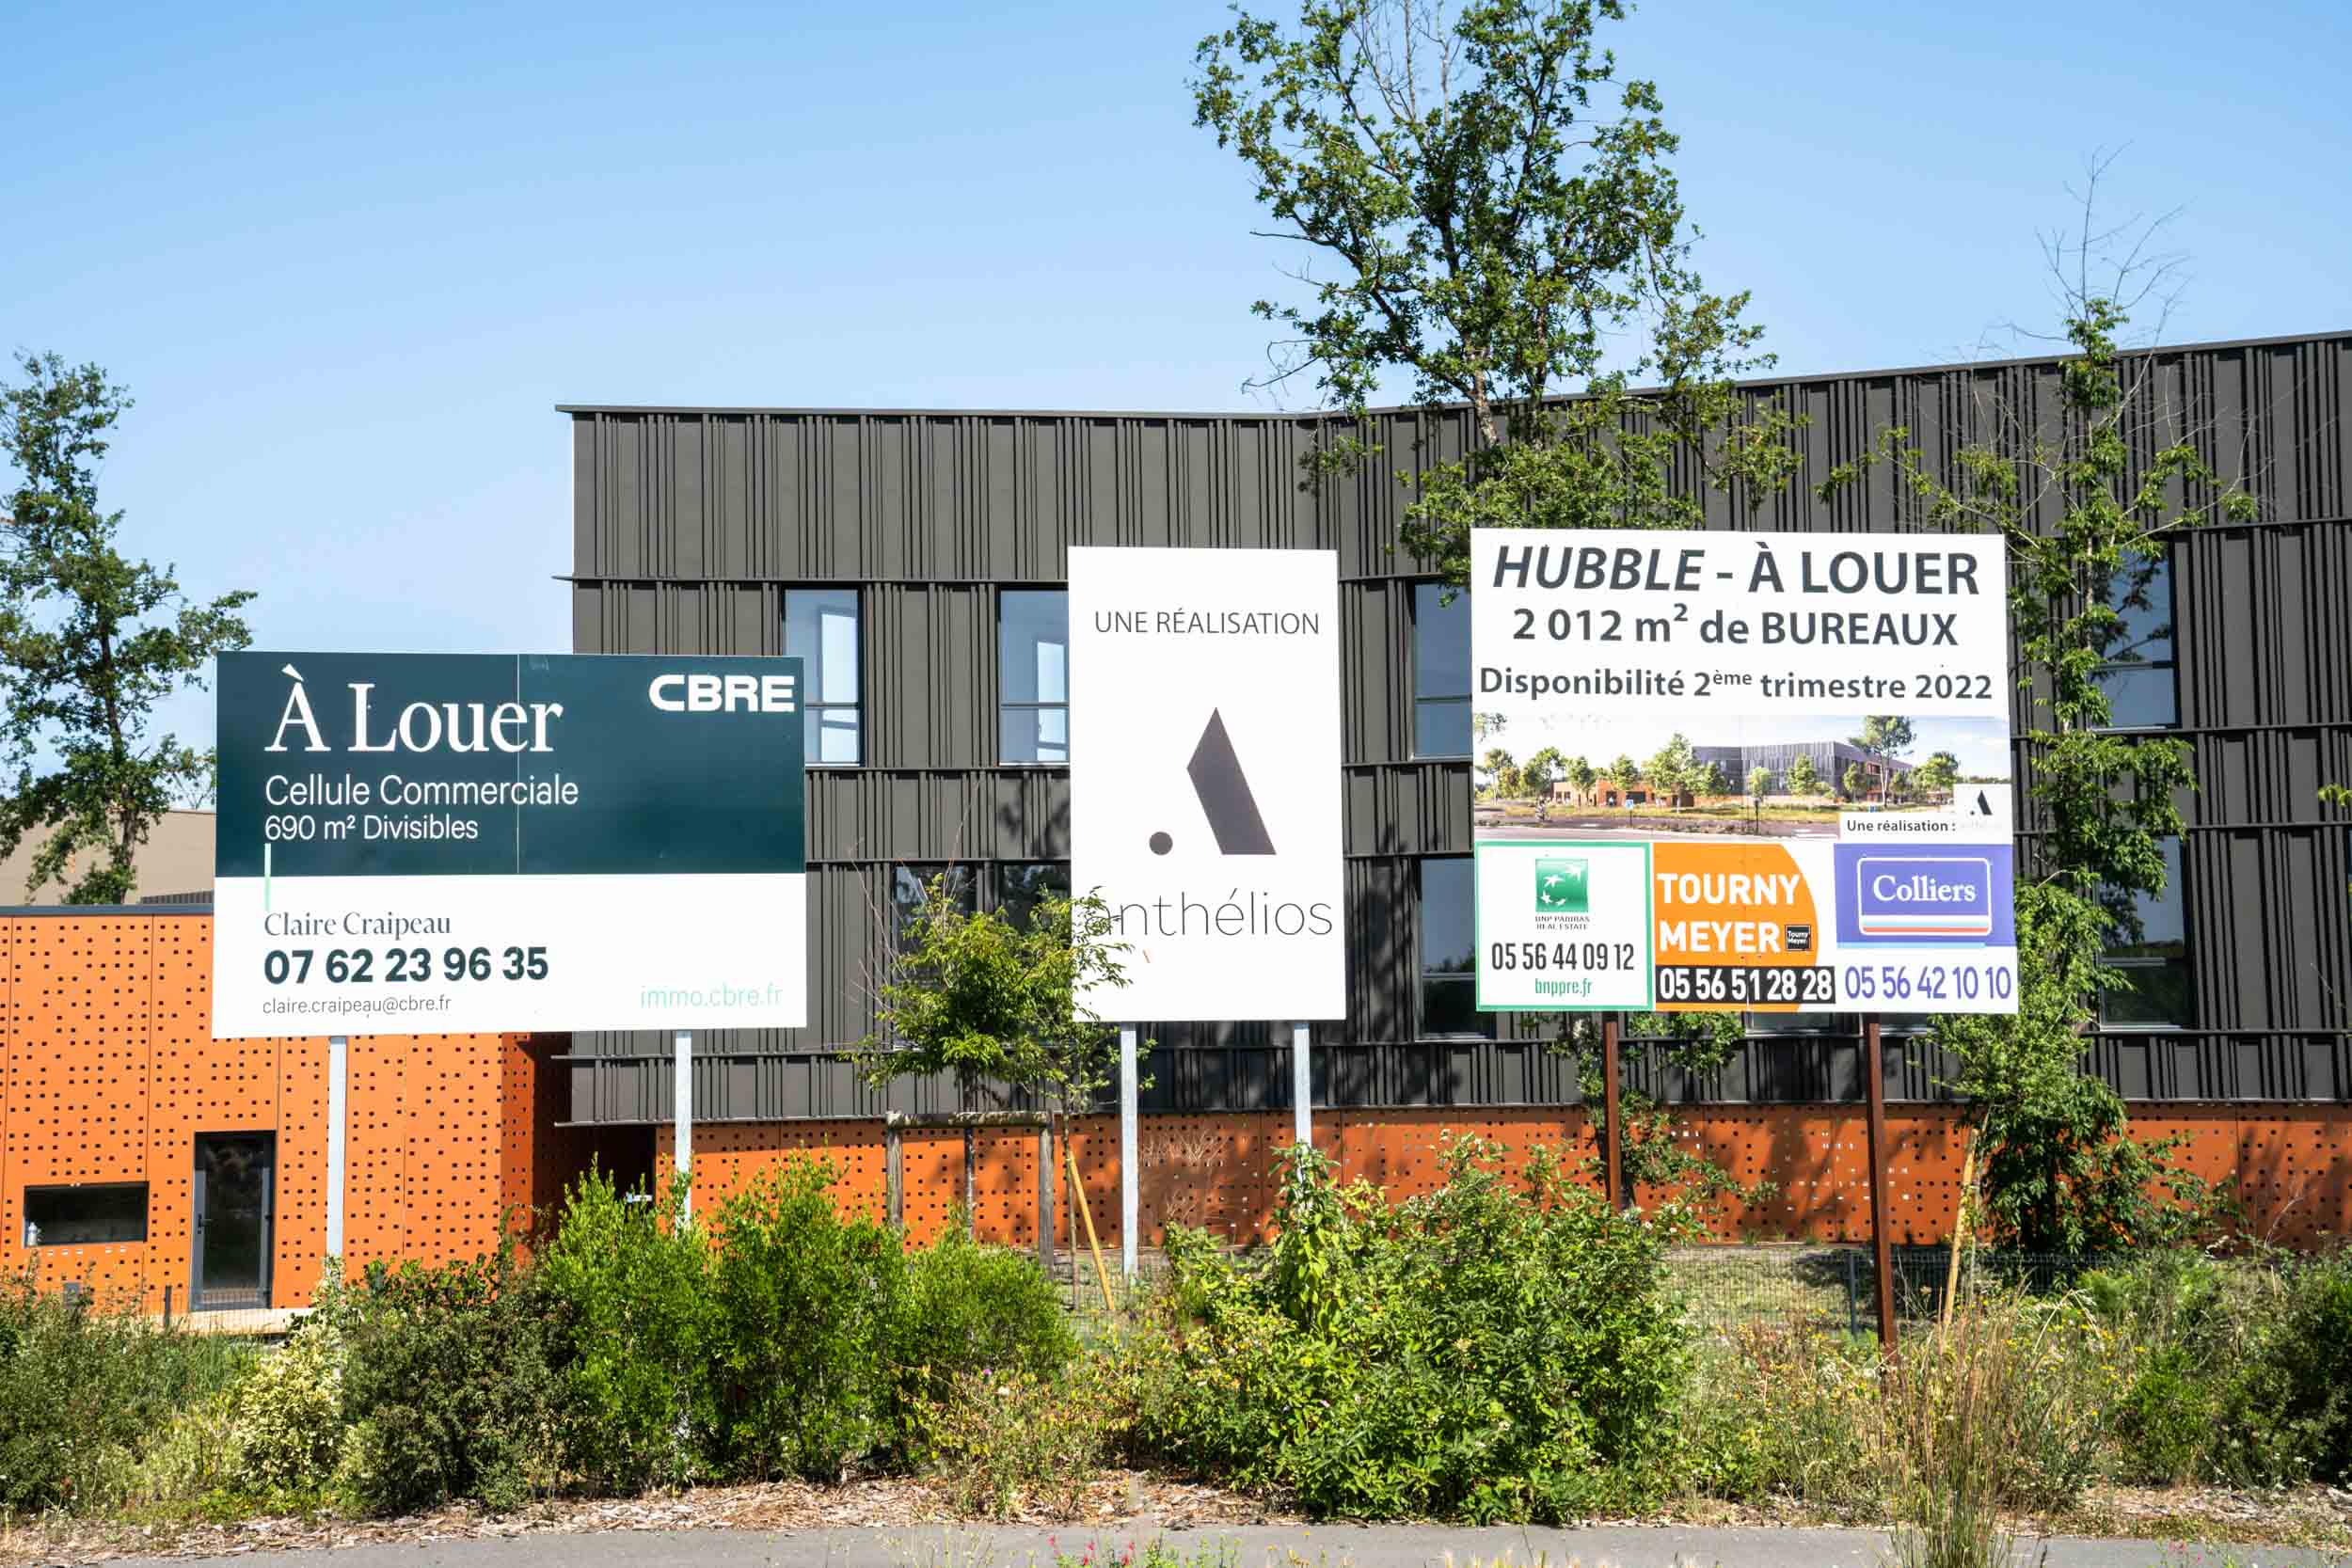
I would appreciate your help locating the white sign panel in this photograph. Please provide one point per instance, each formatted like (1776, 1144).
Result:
(1742, 772)
(1204, 777)
(463, 843)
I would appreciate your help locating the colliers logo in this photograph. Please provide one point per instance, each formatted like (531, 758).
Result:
(511, 727)
(1940, 896)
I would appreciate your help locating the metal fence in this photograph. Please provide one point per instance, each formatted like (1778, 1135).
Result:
(1728, 1287)
(167, 1307)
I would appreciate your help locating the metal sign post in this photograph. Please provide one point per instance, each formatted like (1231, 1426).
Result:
(1874, 1073)
(1612, 1131)
(338, 1104)
(1302, 1085)
(1128, 1207)
(683, 1141)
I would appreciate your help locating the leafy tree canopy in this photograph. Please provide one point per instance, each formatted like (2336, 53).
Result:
(90, 641)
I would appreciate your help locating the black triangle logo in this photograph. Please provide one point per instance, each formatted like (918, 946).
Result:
(1224, 791)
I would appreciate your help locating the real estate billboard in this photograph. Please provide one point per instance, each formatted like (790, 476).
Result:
(429, 844)
(1204, 777)
(1741, 772)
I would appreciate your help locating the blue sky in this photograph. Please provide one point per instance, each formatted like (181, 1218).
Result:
(348, 262)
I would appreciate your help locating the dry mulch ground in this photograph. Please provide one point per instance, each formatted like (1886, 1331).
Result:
(1120, 1498)
(2315, 1517)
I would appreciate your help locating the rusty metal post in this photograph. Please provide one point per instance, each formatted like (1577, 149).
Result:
(1874, 1074)
(1611, 1129)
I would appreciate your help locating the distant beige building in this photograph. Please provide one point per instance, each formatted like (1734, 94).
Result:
(177, 859)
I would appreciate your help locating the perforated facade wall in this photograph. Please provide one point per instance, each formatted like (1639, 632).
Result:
(2291, 1167)
(111, 1073)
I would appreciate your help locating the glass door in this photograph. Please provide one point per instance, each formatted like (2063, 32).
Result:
(233, 1198)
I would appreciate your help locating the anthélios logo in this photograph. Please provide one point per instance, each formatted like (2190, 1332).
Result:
(1226, 801)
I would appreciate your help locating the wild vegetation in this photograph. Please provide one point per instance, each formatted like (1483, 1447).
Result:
(1502, 1348)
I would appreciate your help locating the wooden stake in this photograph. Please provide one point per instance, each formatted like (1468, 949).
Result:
(1960, 1221)
(1077, 1188)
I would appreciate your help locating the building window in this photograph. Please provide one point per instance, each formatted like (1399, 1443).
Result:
(2151, 957)
(86, 1216)
(2136, 664)
(910, 890)
(1442, 671)
(1023, 885)
(1449, 948)
(821, 630)
(1033, 671)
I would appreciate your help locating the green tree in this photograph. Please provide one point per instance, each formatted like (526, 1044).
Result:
(1884, 734)
(1675, 770)
(2061, 1170)
(90, 642)
(1624, 773)
(1938, 774)
(1803, 778)
(1496, 218)
(1760, 782)
(1540, 769)
(1502, 773)
(973, 994)
(1714, 780)
(1856, 783)
(1580, 777)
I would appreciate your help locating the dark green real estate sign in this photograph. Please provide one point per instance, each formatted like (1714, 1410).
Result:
(615, 823)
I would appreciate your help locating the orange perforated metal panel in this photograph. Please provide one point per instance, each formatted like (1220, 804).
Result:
(77, 1069)
(729, 1155)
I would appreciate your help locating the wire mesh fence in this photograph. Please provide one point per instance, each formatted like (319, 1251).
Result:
(1837, 1287)
(239, 1315)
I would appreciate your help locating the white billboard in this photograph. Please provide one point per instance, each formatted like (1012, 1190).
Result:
(1742, 772)
(474, 842)
(1204, 777)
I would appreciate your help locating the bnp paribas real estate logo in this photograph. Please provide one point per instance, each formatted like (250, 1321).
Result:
(1562, 886)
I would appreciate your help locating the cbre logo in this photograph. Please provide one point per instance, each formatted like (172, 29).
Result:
(1225, 797)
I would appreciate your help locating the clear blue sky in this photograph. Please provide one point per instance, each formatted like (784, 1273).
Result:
(348, 262)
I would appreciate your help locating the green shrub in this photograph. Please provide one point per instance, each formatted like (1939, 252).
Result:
(2243, 1368)
(449, 1388)
(999, 1442)
(804, 1303)
(631, 1294)
(81, 1391)
(193, 1455)
(286, 1415)
(1486, 1351)
(970, 1306)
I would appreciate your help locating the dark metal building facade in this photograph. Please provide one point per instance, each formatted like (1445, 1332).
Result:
(694, 528)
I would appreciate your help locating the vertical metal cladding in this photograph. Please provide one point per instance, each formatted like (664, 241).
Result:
(689, 524)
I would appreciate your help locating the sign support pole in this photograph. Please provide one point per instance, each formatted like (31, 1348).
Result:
(1874, 1073)
(683, 1141)
(1302, 1085)
(1127, 1206)
(338, 1109)
(1613, 1131)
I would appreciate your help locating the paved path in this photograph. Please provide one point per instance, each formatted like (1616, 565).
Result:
(1269, 1546)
